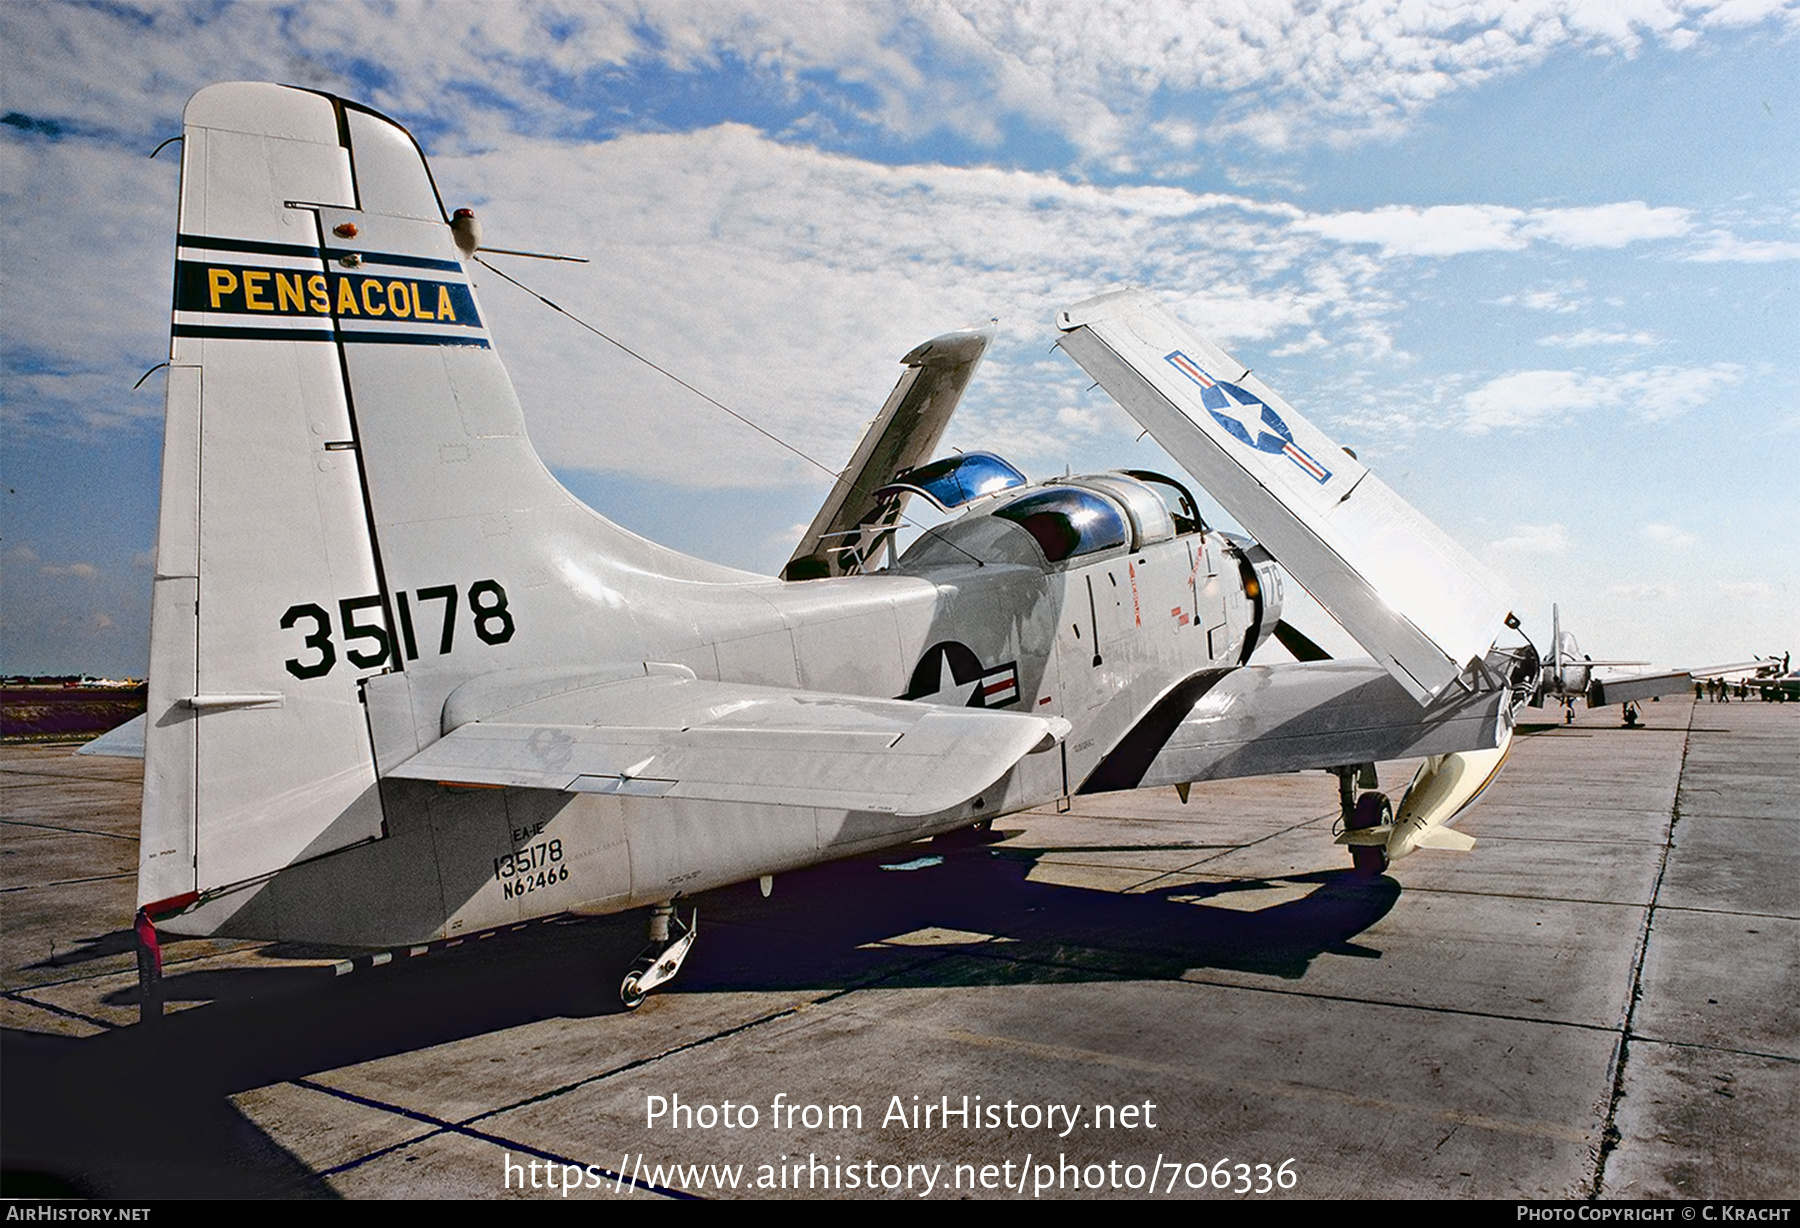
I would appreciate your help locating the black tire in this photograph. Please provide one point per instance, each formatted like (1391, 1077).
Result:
(1372, 810)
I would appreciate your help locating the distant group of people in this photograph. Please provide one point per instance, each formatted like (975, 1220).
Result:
(1719, 691)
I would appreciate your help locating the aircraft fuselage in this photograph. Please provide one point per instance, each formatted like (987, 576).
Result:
(1096, 642)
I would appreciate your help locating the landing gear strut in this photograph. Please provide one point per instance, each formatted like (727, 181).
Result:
(1361, 813)
(661, 959)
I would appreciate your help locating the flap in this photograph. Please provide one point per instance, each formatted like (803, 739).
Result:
(1421, 605)
(666, 735)
(852, 525)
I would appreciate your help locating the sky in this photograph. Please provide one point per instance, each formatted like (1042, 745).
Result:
(1536, 261)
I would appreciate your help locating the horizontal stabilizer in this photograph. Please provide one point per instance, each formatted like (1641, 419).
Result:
(680, 737)
(121, 742)
(1420, 604)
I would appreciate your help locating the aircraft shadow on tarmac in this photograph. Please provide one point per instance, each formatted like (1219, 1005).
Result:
(843, 930)
(144, 1111)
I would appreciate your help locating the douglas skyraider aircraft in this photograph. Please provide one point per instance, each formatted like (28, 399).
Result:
(405, 687)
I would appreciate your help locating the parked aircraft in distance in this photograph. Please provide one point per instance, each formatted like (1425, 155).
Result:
(1570, 674)
(405, 687)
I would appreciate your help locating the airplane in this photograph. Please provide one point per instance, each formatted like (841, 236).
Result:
(1570, 674)
(1774, 681)
(404, 687)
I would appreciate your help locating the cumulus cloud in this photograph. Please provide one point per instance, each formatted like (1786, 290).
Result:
(1723, 248)
(1533, 539)
(1454, 230)
(1441, 230)
(1557, 300)
(1118, 80)
(1612, 225)
(1668, 535)
(1286, 74)
(787, 280)
(1597, 336)
(1528, 398)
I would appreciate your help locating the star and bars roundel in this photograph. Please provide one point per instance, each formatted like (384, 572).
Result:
(951, 674)
(1224, 401)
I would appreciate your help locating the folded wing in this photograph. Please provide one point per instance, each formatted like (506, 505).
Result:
(1421, 605)
(853, 524)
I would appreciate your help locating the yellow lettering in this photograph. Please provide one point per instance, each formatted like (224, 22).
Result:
(373, 308)
(321, 298)
(399, 301)
(346, 298)
(445, 311)
(288, 288)
(223, 282)
(255, 286)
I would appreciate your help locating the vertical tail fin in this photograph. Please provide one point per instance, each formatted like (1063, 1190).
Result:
(353, 519)
(263, 519)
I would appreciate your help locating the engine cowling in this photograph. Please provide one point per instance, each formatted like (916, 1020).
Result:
(1263, 587)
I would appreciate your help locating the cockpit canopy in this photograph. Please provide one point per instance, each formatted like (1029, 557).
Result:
(1062, 521)
(1067, 521)
(955, 480)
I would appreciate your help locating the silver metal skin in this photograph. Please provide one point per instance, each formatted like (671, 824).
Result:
(404, 686)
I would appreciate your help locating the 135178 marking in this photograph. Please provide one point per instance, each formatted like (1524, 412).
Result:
(361, 620)
(530, 868)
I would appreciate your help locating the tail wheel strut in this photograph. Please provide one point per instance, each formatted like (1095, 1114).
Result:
(659, 961)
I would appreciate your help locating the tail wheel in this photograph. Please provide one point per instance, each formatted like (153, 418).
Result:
(630, 993)
(1372, 810)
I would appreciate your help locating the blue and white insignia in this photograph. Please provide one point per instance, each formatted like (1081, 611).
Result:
(1224, 401)
(951, 674)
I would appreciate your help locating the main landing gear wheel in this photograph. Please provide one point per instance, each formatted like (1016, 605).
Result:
(1372, 810)
(661, 959)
